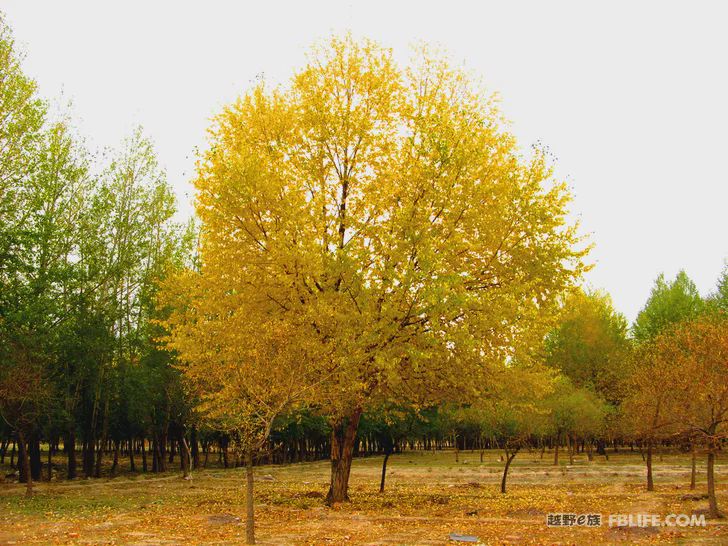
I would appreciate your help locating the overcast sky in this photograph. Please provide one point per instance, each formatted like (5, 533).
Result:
(630, 97)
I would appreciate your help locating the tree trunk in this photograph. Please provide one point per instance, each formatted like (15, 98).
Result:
(25, 463)
(115, 464)
(510, 455)
(195, 449)
(712, 500)
(342, 447)
(384, 472)
(88, 455)
(650, 483)
(692, 466)
(50, 460)
(171, 451)
(144, 455)
(249, 500)
(36, 464)
(556, 451)
(132, 465)
(186, 458)
(571, 445)
(71, 448)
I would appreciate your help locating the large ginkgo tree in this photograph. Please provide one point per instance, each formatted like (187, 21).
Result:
(389, 211)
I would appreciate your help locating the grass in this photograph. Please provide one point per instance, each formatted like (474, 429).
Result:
(428, 496)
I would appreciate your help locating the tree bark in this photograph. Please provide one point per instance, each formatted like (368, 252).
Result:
(25, 462)
(693, 469)
(144, 455)
(650, 483)
(249, 499)
(510, 455)
(115, 464)
(570, 443)
(712, 500)
(50, 460)
(194, 447)
(186, 457)
(102, 441)
(342, 447)
(36, 464)
(132, 464)
(71, 448)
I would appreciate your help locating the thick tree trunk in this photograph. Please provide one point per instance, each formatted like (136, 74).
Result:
(650, 483)
(510, 455)
(249, 499)
(25, 464)
(712, 500)
(556, 452)
(342, 448)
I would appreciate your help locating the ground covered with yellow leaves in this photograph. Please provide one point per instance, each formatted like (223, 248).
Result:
(428, 497)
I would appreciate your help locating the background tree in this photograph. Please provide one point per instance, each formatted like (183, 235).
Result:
(589, 345)
(669, 303)
(719, 299)
(699, 349)
(244, 369)
(650, 412)
(515, 412)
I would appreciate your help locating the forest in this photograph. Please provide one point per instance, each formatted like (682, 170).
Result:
(374, 268)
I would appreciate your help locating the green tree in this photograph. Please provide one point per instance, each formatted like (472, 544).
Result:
(574, 414)
(719, 299)
(669, 303)
(589, 345)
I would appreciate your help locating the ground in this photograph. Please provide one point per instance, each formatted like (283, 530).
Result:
(428, 496)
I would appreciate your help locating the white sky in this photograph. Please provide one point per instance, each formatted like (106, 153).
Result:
(631, 97)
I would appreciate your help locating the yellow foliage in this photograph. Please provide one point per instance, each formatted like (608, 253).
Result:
(379, 224)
